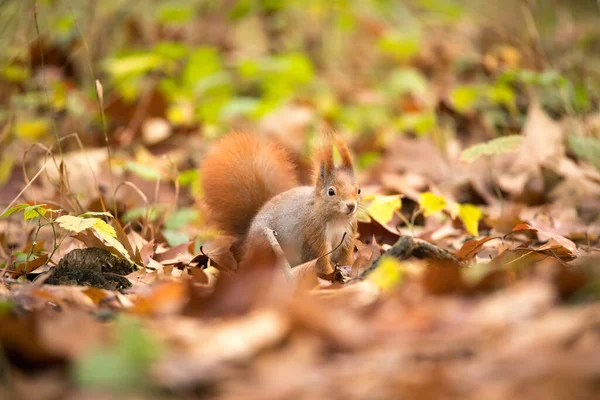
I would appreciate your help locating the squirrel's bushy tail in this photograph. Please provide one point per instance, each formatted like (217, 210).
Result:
(239, 175)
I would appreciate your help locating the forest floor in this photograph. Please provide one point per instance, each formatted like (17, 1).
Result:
(476, 136)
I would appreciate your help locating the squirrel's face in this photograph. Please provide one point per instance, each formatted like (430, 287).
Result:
(341, 195)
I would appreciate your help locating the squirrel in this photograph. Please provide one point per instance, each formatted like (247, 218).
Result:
(250, 184)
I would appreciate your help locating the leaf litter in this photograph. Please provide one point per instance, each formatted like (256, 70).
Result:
(476, 271)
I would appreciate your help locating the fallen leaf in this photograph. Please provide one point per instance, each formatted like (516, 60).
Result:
(470, 248)
(431, 203)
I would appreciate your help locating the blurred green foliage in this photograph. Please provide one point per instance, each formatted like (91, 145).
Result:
(122, 366)
(364, 65)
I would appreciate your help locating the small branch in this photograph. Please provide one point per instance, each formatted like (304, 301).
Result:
(407, 247)
(270, 235)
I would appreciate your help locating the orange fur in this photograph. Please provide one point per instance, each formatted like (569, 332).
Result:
(240, 175)
(344, 153)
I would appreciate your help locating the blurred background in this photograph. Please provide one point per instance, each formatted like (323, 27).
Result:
(370, 68)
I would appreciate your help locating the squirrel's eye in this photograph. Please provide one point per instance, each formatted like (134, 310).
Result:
(331, 192)
(358, 190)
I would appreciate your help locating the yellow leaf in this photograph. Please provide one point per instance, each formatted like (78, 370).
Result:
(431, 203)
(6, 165)
(34, 211)
(363, 216)
(470, 216)
(388, 274)
(114, 243)
(382, 208)
(103, 229)
(33, 129)
(75, 224)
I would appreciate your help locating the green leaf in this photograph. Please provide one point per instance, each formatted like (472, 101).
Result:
(431, 203)
(64, 25)
(401, 45)
(382, 208)
(143, 171)
(171, 50)
(133, 65)
(122, 366)
(450, 10)
(175, 238)
(180, 218)
(188, 177)
(586, 148)
(36, 211)
(367, 159)
(470, 216)
(175, 14)
(6, 305)
(140, 212)
(15, 73)
(203, 62)
(501, 145)
(239, 106)
(14, 209)
(407, 80)
(580, 98)
(388, 274)
(464, 98)
(419, 122)
(501, 94)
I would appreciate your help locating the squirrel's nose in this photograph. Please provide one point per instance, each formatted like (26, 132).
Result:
(351, 206)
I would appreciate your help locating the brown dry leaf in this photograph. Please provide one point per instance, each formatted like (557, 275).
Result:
(382, 234)
(146, 252)
(165, 297)
(407, 154)
(543, 143)
(19, 338)
(542, 146)
(144, 276)
(367, 254)
(58, 333)
(175, 255)
(25, 268)
(86, 170)
(221, 253)
(470, 248)
(362, 259)
(343, 332)
(204, 349)
(503, 219)
(96, 294)
(554, 244)
(442, 277)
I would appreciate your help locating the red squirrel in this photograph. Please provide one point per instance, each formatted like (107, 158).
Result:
(250, 184)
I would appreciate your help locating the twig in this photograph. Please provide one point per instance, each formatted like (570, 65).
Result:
(408, 246)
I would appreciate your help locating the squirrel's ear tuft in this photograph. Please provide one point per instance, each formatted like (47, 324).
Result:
(325, 165)
(344, 153)
(327, 159)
